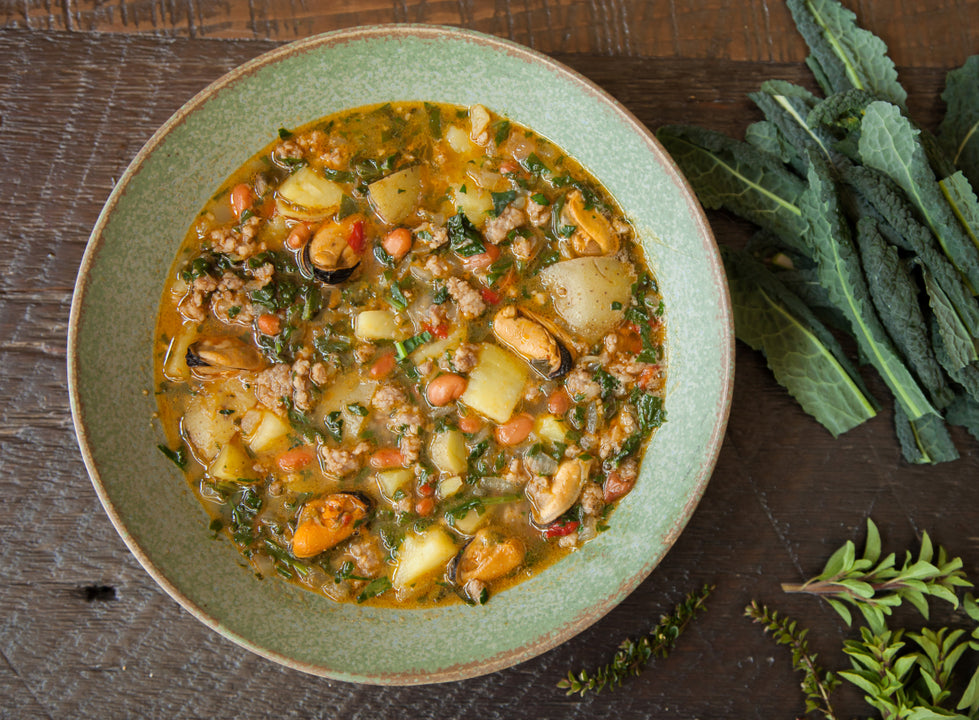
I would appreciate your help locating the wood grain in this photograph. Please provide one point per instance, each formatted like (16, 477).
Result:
(74, 108)
(933, 34)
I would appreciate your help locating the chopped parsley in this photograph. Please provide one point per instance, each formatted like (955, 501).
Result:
(464, 238)
(178, 457)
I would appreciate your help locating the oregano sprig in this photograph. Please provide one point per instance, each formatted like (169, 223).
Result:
(876, 586)
(817, 684)
(633, 655)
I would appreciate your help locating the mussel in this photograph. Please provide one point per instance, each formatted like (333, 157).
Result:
(327, 521)
(535, 340)
(488, 556)
(593, 233)
(328, 256)
(215, 356)
(550, 500)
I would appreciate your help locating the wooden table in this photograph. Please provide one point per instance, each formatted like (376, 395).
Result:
(84, 631)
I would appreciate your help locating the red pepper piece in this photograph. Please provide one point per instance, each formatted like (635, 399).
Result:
(560, 529)
(489, 296)
(356, 237)
(440, 331)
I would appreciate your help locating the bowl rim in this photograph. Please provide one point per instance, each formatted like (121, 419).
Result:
(97, 240)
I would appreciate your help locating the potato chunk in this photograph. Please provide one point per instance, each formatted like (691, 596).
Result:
(421, 555)
(395, 196)
(308, 196)
(496, 383)
(587, 291)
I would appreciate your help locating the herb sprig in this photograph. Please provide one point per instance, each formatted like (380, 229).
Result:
(902, 673)
(633, 655)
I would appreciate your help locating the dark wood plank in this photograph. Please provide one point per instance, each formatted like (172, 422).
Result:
(75, 109)
(935, 34)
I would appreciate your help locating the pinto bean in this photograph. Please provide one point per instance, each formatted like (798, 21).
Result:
(299, 236)
(470, 423)
(241, 198)
(269, 324)
(515, 430)
(615, 487)
(397, 242)
(294, 460)
(382, 366)
(558, 402)
(387, 458)
(445, 388)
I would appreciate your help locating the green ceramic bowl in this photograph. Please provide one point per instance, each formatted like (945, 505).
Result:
(134, 243)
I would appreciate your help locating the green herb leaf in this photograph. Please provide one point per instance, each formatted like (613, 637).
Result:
(397, 299)
(434, 120)
(334, 425)
(501, 200)
(178, 457)
(501, 131)
(804, 356)
(649, 409)
(844, 55)
(374, 588)
(464, 238)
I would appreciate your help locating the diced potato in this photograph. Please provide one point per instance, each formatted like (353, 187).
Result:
(458, 139)
(449, 452)
(377, 325)
(585, 291)
(175, 365)
(205, 427)
(308, 196)
(449, 486)
(550, 428)
(394, 197)
(343, 392)
(421, 556)
(476, 203)
(270, 431)
(496, 384)
(233, 464)
(435, 350)
(470, 522)
(390, 481)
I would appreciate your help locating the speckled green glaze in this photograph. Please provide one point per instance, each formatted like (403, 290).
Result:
(121, 280)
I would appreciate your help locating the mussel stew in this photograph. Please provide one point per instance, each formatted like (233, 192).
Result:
(410, 354)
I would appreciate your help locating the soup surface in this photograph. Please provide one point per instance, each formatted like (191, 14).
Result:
(410, 354)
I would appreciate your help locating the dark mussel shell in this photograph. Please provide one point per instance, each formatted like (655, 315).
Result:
(327, 256)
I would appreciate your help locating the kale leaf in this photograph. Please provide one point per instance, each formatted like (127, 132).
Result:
(844, 55)
(734, 175)
(839, 270)
(959, 131)
(895, 296)
(804, 356)
(888, 143)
